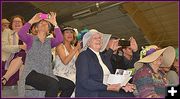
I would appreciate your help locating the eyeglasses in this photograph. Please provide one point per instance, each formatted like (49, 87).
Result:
(17, 21)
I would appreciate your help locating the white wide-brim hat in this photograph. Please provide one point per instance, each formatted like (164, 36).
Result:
(168, 54)
(90, 33)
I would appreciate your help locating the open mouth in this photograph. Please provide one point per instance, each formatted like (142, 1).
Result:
(98, 43)
(17, 26)
(69, 37)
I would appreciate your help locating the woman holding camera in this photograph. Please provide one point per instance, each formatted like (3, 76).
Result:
(37, 71)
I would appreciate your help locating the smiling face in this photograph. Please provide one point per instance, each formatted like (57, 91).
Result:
(95, 42)
(17, 24)
(68, 35)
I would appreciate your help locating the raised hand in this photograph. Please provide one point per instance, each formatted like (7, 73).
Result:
(133, 44)
(52, 18)
(114, 46)
(78, 46)
(35, 18)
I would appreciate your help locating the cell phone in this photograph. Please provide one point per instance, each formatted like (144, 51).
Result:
(81, 43)
(123, 42)
(44, 16)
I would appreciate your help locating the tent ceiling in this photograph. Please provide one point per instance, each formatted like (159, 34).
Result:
(161, 16)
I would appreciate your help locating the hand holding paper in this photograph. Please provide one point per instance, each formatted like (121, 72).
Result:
(114, 87)
(121, 76)
(115, 79)
(129, 87)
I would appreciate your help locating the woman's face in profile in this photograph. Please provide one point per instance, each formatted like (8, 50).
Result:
(159, 60)
(96, 41)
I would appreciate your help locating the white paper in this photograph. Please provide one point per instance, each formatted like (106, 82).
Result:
(121, 76)
(115, 79)
(123, 72)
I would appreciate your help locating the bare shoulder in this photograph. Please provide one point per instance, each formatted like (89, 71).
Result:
(60, 47)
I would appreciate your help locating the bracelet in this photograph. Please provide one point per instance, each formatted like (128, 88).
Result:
(56, 26)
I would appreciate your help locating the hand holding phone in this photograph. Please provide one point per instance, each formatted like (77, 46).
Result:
(44, 16)
(123, 42)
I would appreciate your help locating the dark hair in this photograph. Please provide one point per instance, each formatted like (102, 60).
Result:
(123, 47)
(32, 26)
(16, 16)
(113, 37)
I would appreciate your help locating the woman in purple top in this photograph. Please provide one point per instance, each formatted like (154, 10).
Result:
(37, 71)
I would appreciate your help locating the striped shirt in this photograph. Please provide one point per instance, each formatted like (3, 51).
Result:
(147, 83)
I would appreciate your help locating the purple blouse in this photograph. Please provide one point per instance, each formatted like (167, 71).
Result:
(28, 39)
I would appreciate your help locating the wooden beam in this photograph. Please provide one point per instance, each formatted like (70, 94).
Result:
(139, 19)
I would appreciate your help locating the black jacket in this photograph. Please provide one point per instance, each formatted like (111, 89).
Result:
(121, 62)
(89, 73)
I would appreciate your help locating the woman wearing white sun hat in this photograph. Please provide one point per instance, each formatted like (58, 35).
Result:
(93, 68)
(149, 81)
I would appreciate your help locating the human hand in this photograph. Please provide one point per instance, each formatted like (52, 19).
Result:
(35, 18)
(114, 46)
(114, 87)
(133, 44)
(52, 18)
(129, 87)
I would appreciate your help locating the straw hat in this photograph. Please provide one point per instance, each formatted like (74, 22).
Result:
(68, 28)
(4, 21)
(90, 33)
(151, 53)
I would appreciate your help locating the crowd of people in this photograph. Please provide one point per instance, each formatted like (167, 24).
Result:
(53, 63)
